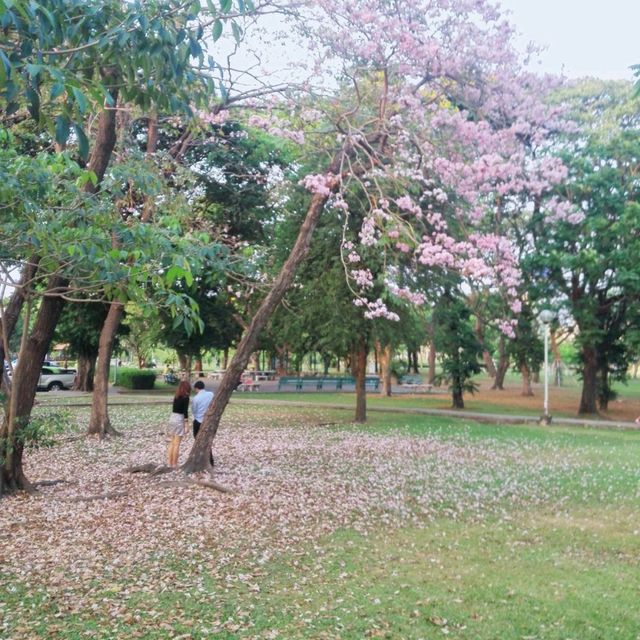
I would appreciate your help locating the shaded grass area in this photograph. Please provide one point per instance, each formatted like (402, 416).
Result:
(545, 543)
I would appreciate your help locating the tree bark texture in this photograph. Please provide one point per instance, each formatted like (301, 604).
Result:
(527, 389)
(457, 399)
(23, 389)
(384, 360)
(589, 381)
(414, 365)
(359, 372)
(13, 309)
(557, 359)
(603, 388)
(198, 459)
(486, 356)
(185, 362)
(86, 371)
(103, 147)
(99, 423)
(431, 363)
(503, 365)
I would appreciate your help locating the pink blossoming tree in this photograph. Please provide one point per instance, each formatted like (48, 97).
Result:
(423, 110)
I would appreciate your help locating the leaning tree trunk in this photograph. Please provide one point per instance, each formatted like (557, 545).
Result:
(384, 360)
(85, 371)
(359, 371)
(23, 389)
(198, 459)
(99, 423)
(589, 381)
(503, 365)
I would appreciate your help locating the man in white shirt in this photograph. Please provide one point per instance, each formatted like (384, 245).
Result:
(199, 405)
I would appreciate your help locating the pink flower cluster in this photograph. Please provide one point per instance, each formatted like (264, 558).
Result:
(319, 183)
(378, 309)
(363, 278)
(213, 117)
(277, 127)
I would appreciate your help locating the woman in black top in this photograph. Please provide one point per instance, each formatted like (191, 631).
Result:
(177, 421)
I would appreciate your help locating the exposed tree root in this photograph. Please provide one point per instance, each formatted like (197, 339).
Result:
(156, 470)
(48, 483)
(209, 484)
(163, 468)
(101, 496)
(149, 467)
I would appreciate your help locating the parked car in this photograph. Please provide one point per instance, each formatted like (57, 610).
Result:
(55, 378)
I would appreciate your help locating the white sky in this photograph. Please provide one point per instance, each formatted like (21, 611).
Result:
(583, 37)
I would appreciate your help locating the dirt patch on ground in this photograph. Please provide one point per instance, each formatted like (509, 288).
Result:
(563, 400)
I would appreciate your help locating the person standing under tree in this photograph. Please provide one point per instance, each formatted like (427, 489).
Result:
(178, 422)
(199, 406)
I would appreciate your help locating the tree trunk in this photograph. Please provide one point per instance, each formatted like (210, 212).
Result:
(589, 381)
(457, 399)
(557, 359)
(503, 365)
(12, 310)
(413, 361)
(183, 362)
(431, 378)
(359, 371)
(103, 147)
(486, 356)
(384, 359)
(198, 459)
(86, 371)
(603, 387)
(527, 389)
(23, 388)
(99, 423)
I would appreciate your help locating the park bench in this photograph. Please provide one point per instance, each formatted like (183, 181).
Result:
(414, 382)
(326, 383)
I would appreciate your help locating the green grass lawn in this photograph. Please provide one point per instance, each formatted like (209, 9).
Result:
(407, 527)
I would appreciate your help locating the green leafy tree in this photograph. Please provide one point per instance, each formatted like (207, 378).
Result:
(62, 62)
(79, 327)
(590, 256)
(457, 344)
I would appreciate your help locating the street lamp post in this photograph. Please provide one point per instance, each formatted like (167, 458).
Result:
(546, 318)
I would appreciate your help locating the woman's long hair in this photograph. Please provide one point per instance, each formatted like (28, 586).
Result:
(183, 390)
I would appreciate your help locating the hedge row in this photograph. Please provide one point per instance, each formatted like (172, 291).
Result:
(135, 378)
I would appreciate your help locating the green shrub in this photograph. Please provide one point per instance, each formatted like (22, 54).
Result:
(45, 425)
(399, 368)
(136, 378)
